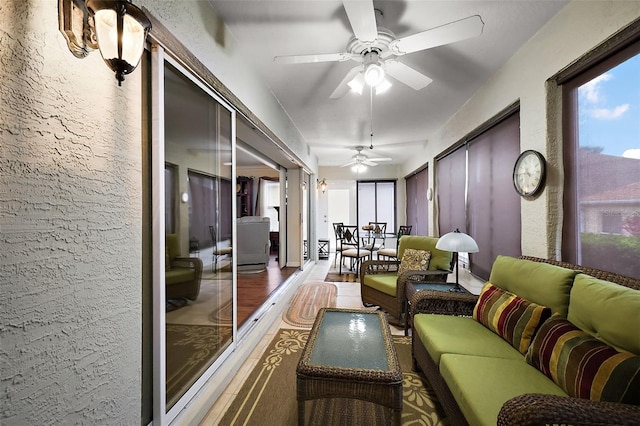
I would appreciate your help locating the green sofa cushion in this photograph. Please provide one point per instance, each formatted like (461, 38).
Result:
(385, 283)
(608, 311)
(440, 259)
(541, 283)
(481, 385)
(179, 275)
(442, 334)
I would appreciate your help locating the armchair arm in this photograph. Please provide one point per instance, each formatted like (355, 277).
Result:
(438, 302)
(369, 267)
(539, 409)
(187, 262)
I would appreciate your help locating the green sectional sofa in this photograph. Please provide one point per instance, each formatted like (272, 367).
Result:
(545, 343)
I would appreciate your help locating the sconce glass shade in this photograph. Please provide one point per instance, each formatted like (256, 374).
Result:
(322, 185)
(121, 30)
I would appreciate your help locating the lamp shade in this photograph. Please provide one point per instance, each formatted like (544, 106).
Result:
(121, 31)
(457, 242)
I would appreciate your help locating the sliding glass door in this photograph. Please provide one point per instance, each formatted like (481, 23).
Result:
(193, 200)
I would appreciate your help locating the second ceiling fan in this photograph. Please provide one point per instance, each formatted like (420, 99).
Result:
(377, 50)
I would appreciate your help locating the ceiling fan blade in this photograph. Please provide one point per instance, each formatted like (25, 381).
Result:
(349, 163)
(407, 75)
(307, 59)
(445, 34)
(381, 159)
(369, 163)
(362, 18)
(343, 87)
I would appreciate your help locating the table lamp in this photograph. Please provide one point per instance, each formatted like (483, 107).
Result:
(457, 242)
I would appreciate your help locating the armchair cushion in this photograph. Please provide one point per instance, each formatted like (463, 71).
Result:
(584, 366)
(440, 259)
(386, 283)
(511, 317)
(416, 260)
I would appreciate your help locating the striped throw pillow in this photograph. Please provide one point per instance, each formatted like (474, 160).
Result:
(511, 317)
(584, 366)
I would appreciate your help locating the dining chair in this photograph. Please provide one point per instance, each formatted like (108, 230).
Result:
(392, 253)
(337, 230)
(352, 248)
(217, 252)
(372, 243)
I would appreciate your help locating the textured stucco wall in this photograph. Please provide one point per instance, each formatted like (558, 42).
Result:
(575, 30)
(70, 229)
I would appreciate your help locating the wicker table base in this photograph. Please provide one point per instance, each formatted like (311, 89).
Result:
(350, 354)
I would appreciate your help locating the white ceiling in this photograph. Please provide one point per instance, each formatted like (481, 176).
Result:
(402, 117)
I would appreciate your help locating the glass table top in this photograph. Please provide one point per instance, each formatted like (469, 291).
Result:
(358, 335)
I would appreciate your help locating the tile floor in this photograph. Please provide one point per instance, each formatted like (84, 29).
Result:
(348, 297)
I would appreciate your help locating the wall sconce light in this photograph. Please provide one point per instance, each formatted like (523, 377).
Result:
(116, 27)
(322, 185)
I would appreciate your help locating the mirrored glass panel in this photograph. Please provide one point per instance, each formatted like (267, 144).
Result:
(199, 188)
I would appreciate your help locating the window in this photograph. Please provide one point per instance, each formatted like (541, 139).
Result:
(417, 186)
(602, 165)
(377, 203)
(476, 195)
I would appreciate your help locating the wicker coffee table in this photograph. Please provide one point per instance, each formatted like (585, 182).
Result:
(350, 354)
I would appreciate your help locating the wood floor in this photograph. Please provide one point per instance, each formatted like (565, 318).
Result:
(254, 289)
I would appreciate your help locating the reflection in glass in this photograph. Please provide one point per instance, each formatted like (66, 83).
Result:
(199, 284)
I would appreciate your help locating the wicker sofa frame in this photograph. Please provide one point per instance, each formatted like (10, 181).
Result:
(528, 409)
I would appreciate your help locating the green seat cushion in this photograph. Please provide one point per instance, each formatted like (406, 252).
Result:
(541, 283)
(481, 385)
(446, 334)
(179, 275)
(608, 311)
(385, 283)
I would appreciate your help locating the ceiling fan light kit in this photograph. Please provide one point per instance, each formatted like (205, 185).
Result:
(377, 50)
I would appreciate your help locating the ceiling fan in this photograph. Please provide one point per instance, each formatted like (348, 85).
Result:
(377, 50)
(361, 159)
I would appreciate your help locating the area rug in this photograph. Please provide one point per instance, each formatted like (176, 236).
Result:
(307, 301)
(223, 314)
(336, 277)
(191, 349)
(270, 392)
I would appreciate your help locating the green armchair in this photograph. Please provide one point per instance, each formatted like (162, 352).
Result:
(182, 274)
(381, 285)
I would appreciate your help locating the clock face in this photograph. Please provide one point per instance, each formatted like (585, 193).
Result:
(529, 173)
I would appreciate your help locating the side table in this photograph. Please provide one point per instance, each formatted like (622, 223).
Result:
(413, 288)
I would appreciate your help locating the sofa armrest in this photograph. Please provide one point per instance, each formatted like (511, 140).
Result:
(443, 303)
(539, 409)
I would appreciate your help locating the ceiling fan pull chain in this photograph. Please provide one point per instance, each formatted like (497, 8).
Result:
(371, 112)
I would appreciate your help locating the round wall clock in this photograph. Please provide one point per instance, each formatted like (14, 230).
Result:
(529, 173)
